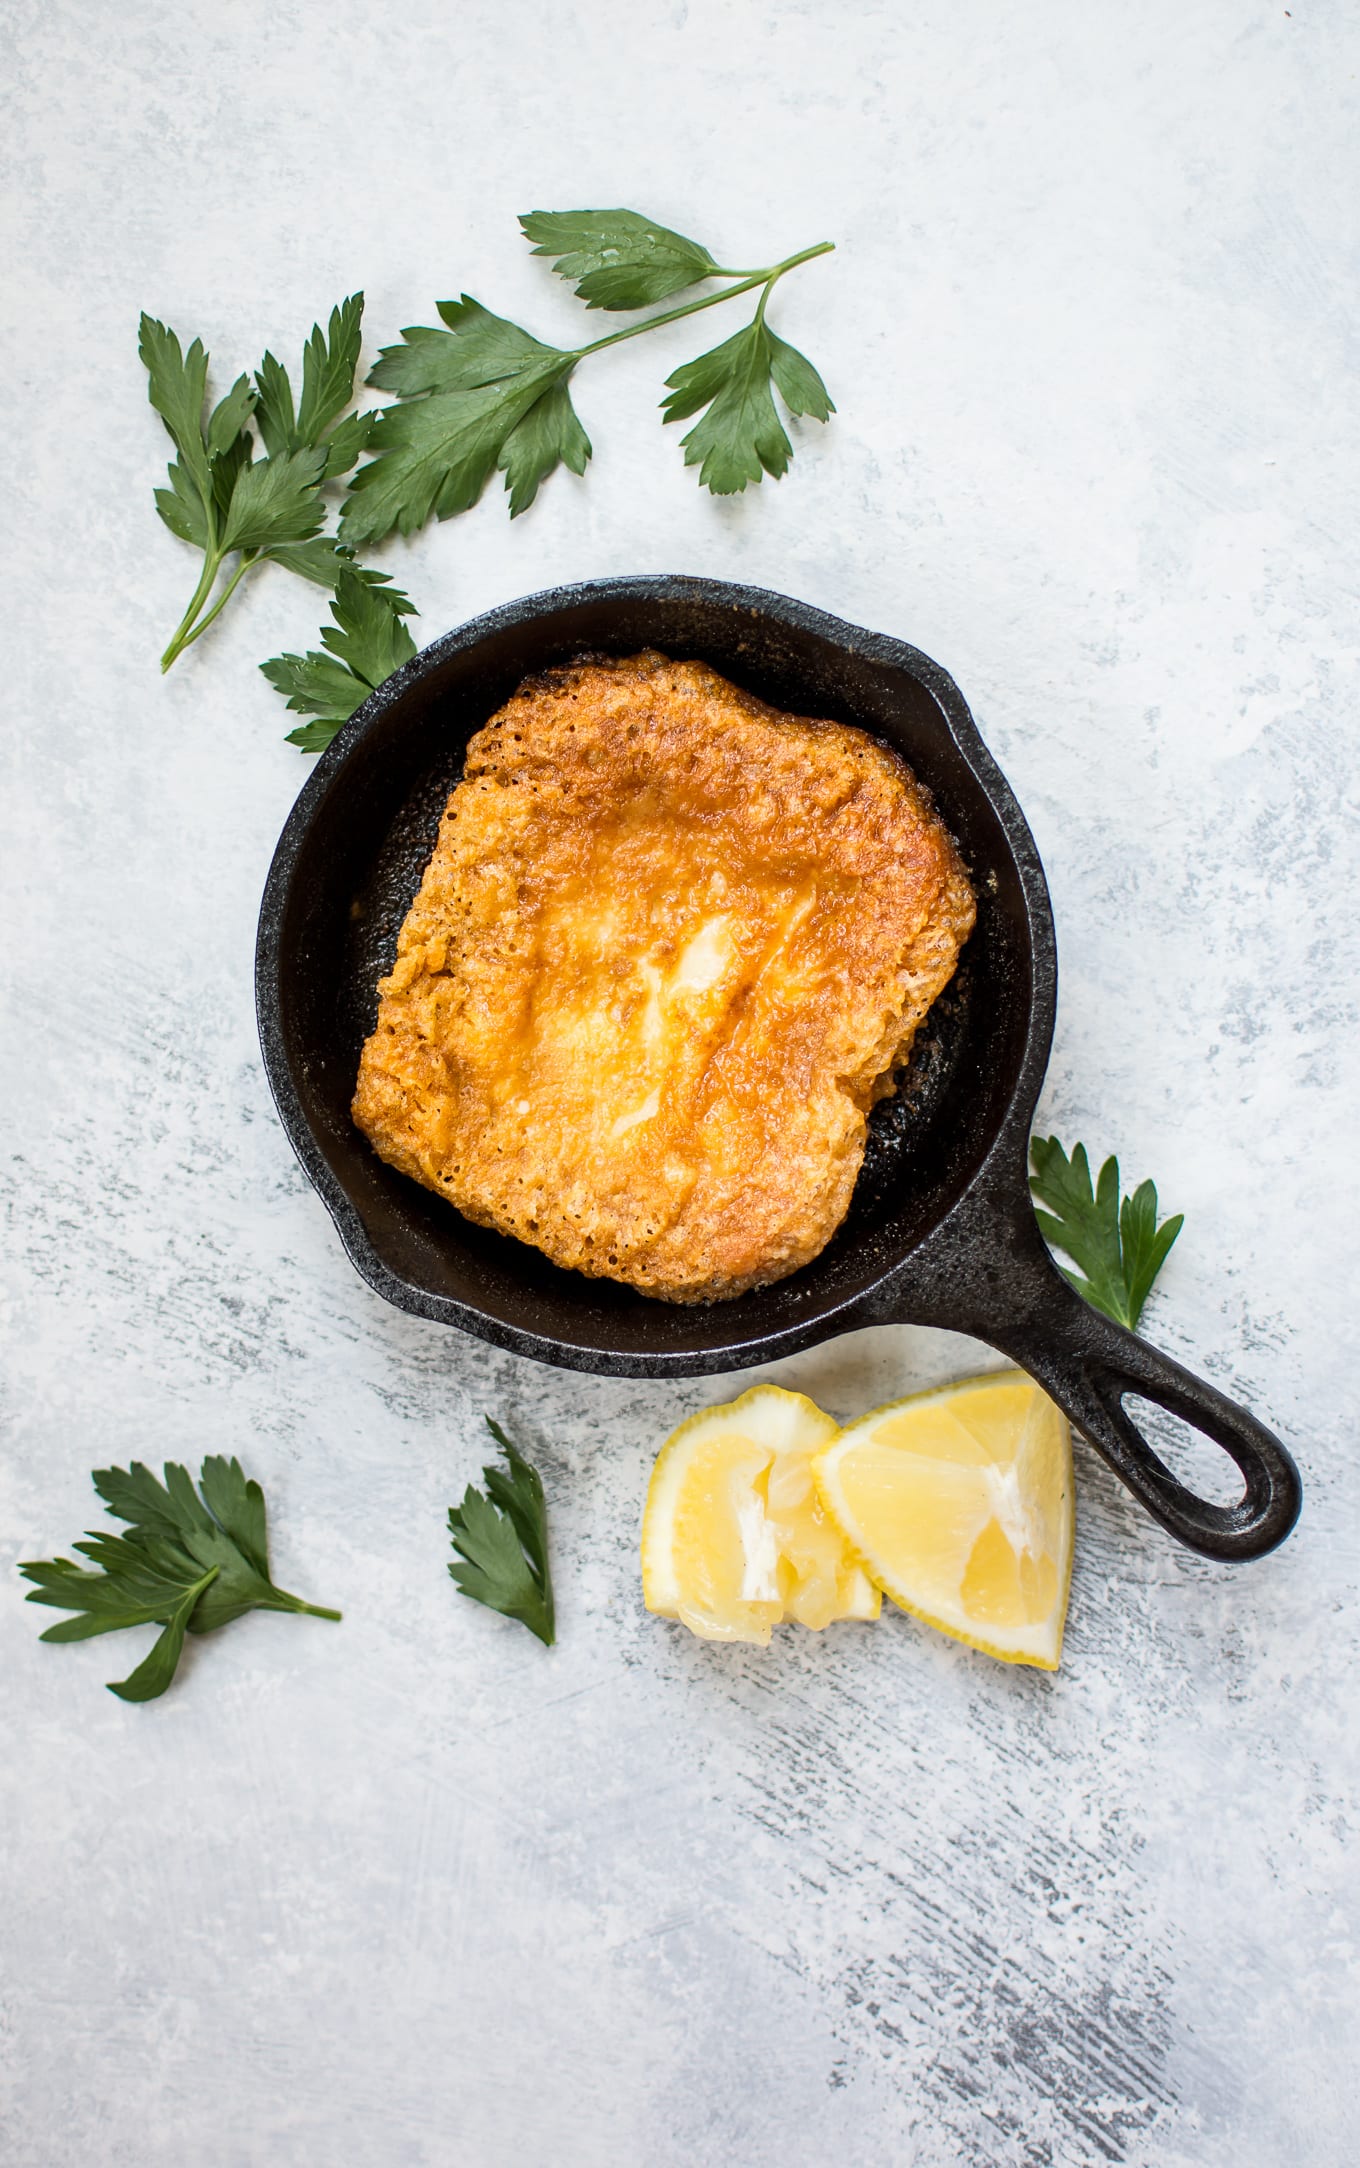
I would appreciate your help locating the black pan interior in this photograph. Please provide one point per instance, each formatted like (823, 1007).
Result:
(358, 845)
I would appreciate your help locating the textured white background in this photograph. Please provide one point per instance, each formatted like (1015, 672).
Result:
(410, 1889)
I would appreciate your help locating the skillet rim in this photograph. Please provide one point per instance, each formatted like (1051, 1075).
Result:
(999, 1176)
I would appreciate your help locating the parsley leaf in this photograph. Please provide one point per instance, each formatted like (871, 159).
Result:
(347, 443)
(619, 259)
(475, 348)
(182, 506)
(484, 394)
(471, 397)
(228, 420)
(549, 436)
(329, 361)
(222, 500)
(273, 500)
(322, 560)
(367, 642)
(1119, 1247)
(740, 438)
(501, 1538)
(177, 385)
(192, 1560)
(274, 409)
(466, 391)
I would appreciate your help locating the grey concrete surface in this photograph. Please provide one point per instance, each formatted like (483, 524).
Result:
(410, 1890)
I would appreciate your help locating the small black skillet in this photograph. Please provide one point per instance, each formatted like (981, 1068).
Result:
(940, 1230)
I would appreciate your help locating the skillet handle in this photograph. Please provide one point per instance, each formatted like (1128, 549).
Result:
(1087, 1364)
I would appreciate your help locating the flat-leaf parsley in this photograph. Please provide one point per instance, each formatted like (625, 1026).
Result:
(191, 1560)
(501, 1538)
(1119, 1247)
(230, 505)
(367, 642)
(483, 395)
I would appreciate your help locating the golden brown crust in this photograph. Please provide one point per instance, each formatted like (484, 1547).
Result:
(668, 951)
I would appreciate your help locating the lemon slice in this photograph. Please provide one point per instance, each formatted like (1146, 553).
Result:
(959, 1503)
(734, 1537)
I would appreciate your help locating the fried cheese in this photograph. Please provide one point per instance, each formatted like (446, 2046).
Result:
(669, 950)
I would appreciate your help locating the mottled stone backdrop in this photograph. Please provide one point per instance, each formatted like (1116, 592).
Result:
(410, 1889)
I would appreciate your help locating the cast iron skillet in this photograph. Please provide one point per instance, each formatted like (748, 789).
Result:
(940, 1229)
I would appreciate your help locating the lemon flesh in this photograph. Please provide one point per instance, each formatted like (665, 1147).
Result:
(735, 1539)
(960, 1505)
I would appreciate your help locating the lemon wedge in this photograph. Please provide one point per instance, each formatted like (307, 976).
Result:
(959, 1503)
(734, 1537)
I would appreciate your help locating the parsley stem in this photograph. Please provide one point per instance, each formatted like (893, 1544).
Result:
(283, 1602)
(744, 285)
(248, 559)
(211, 565)
(186, 638)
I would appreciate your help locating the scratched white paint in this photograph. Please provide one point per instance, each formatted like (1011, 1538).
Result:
(408, 1889)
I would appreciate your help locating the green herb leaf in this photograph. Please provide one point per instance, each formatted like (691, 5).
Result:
(224, 468)
(501, 1538)
(236, 1503)
(368, 636)
(331, 691)
(192, 1560)
(275, 500)
(483, 393)
(619, 259)
(154, 1673)
(182, 507)
(220, 498)
(367, 642)
(549, 436)
(329, 361)
(1118, 1247)
(740, 438)
(465, 390)
(477, 396)
(475, 349)
(322, 560)
(433, 456)
(796, 381)
(274, 410)
(346, 444)
(1146, 1246)
(177, 385)
(230, 416)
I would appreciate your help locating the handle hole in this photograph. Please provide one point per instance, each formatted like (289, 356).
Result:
(1193, 1459)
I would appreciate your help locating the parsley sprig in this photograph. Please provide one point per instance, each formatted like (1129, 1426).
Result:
(367, 642)
(501, 1538)
(483, 395)
(1119, 1247)
(472, 397)
(191, 1560)
(241, 511)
